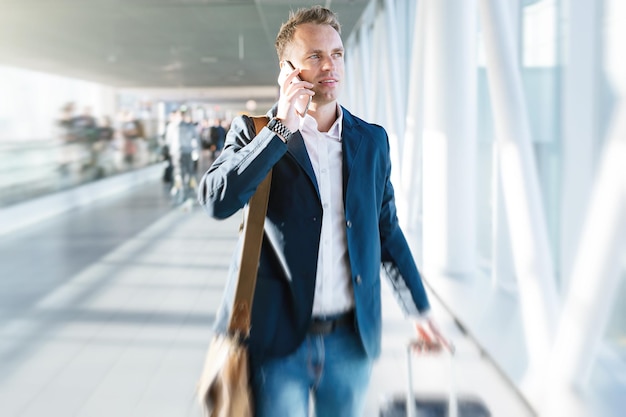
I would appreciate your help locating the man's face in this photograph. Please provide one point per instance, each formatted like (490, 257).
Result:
(318, 51)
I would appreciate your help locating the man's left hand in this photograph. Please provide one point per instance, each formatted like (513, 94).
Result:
(430, 338)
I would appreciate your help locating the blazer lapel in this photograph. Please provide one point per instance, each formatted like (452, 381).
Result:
(351, 140)
(297, 149)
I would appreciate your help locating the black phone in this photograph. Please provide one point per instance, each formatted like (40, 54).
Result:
(300, 79)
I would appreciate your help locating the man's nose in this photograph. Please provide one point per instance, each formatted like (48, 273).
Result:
(328, 64)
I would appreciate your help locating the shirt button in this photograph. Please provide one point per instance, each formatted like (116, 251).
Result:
(349, 224)
(358, 279)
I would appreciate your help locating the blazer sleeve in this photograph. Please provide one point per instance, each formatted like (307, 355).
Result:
(396, 256)
(236, 173)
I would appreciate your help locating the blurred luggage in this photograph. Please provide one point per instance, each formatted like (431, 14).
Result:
(433, 407)
(168, 174)
(448, 404)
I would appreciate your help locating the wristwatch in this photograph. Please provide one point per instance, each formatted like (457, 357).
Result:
(277, 126)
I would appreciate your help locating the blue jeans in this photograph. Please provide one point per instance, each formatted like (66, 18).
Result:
(333, 370)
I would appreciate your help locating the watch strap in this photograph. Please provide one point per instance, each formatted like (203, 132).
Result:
(276, 126)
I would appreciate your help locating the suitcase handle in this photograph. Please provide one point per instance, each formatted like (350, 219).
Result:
(415, 345)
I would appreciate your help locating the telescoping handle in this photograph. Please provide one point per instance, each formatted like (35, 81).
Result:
(453, 409)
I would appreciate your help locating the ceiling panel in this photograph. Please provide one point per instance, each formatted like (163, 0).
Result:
(153, 43)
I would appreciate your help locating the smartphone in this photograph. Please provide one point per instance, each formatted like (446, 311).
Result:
(300, 79)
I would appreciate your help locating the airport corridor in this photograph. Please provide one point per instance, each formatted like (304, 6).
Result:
(106, 310)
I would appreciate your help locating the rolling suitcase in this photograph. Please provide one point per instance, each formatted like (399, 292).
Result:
(450, 405)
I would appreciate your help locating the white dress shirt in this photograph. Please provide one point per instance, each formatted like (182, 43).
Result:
(333, 286)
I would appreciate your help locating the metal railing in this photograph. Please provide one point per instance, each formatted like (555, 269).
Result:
(30, 169)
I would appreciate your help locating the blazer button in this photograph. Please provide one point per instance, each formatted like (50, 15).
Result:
(358, 279)
(349, 224)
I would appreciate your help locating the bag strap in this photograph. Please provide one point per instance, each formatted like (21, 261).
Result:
(254, 220)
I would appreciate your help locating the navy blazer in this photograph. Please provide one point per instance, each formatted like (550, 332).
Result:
(283, 300)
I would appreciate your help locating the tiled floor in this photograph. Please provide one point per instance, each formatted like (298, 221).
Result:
(107, 310)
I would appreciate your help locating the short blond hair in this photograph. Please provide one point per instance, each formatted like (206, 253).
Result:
(317, 15)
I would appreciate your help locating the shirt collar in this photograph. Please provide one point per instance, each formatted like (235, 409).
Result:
(335, 130)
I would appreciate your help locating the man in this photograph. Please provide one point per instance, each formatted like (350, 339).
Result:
(218, 136)
(331, 222)
(182, 142)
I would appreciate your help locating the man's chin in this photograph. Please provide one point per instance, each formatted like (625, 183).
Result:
(324, 98)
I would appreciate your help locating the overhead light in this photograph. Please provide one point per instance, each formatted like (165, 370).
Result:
(251, 105)
(242, 53)
(174, 66)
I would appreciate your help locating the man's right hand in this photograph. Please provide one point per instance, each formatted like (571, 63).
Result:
(291, 91)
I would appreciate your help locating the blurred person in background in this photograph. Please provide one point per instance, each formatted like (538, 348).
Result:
(106, 132)
(85, 126)
(204, 133)
(132, 132)
(212, 136)
(195, 153)
(78, 134)
(66, 136)
(104, 147)
(168, 171)
(87, 134)
(66, 122)
(218, 137)
(182, 142)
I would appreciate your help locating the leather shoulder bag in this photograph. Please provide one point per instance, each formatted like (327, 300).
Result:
(224, 387)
